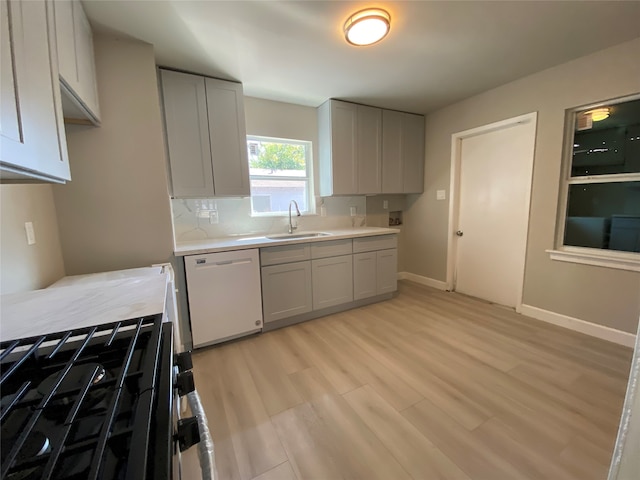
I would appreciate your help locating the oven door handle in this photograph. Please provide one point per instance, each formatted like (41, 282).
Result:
(205, 446)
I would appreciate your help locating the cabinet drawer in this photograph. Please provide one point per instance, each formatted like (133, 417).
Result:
(332, 248)
(285, 254)
(379, 242)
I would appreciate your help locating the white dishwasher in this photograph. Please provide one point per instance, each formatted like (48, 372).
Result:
(224, 293)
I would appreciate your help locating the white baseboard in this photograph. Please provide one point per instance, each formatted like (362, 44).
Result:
(593, 329)
(429, 282)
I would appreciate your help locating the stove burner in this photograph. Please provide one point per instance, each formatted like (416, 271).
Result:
(73, 381)
(37, 444)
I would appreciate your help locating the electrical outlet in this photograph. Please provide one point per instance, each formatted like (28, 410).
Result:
(441, 194)
(353, 211)
(385, 204)
(31, 235)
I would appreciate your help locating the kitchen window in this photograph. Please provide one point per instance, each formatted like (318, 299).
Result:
(280, 170)
(599, 222)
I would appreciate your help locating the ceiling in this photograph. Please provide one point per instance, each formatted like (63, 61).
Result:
(436, 53)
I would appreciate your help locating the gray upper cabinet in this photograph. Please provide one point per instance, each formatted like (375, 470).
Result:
(337, 148)
(76, 61)
(187, 130)
(206, 136)
(32, 134)
(413, 153)
(369, 144)
(402, 152)
(368, 150)
(228, 135)
(392, 164)
(350, 141)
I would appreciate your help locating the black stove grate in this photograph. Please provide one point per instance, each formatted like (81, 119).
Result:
(79, 404)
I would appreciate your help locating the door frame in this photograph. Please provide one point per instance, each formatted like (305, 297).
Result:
(454, 193)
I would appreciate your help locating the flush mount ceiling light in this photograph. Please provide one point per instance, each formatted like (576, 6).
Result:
(367, 27)
(599, 114)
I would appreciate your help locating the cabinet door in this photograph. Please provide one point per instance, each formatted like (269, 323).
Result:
(286, 290)
(343, 148)
(368, 149)
(227, 132)
(87, 88)
(413, 153)
(66, 42)
(392, 171)
(332, 281)
(31, 123)
(387, 271)
(364, 275)
(187, 131)
(76, 60)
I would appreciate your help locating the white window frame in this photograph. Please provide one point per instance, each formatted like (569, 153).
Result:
(311, 204)
(585, 255)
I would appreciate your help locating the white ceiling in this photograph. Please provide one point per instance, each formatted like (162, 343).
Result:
(437, 52)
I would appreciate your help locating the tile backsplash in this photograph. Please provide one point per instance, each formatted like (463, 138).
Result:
(195, 219)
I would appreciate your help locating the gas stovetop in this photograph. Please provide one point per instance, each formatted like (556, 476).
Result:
(92, 403)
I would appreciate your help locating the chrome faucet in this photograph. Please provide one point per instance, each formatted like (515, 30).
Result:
(292, 227)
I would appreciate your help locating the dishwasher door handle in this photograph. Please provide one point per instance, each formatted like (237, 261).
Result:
(202, 262)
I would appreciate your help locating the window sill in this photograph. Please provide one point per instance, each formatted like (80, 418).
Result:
(615, 260)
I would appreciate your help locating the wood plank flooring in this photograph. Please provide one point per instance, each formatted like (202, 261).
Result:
(429, 385)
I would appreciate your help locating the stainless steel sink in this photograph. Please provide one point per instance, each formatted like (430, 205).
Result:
(286, 236)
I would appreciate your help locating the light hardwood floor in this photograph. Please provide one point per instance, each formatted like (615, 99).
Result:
(429, 385)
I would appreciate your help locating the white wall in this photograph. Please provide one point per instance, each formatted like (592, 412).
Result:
(600, 295)
(115, 213)
(28, 267)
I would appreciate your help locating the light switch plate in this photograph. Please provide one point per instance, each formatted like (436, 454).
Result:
(441, 194)
(353, 211)
(385, 204)
(31, 235)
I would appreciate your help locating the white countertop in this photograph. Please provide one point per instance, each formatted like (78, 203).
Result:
(83, 301)
(224, 244)
(102, 277)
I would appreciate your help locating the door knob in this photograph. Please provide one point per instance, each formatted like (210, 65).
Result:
(459, 233)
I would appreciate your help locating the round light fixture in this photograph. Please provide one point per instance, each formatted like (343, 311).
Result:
(367, 26)
(599, 114)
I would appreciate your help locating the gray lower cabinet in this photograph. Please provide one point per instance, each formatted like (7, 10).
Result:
(374, 273)
(301, 278)
(386, 271)
(286, 290)
(364, 275)
(332, 281)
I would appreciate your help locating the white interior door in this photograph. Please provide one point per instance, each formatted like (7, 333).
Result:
(494, 189)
